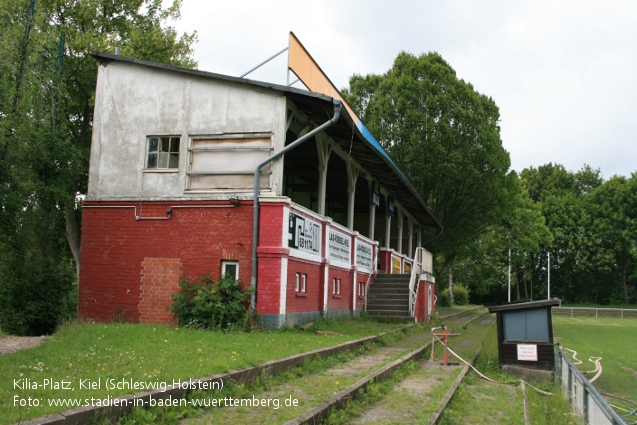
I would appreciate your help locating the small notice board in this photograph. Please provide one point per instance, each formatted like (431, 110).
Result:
(527, 352)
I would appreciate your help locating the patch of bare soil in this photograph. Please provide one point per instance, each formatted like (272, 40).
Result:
(364, 363)
(11, 344)
(400, 408)
(628, 369)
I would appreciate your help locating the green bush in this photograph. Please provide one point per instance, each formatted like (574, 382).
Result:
(460, 296)
(36, 292)
(443, 299)
(205, 304)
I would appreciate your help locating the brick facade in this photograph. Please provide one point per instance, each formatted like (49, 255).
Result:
(133, 256)
(422, 312)
(116, 248)
(160, 279)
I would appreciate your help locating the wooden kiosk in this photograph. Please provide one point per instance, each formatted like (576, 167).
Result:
(525, 338)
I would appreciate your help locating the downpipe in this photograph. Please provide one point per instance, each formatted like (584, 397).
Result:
(257, 182)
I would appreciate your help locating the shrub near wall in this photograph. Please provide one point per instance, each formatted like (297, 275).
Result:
(206, 304)
(460, 296)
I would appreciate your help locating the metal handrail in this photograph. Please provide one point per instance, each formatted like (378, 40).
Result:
(369, 277)
(413, 281)
(611, 417)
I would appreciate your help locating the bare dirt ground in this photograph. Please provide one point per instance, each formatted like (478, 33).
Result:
(11, 344)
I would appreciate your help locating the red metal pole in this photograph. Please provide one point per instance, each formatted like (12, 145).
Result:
(445, 357)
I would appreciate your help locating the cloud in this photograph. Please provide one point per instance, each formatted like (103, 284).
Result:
(562, 73)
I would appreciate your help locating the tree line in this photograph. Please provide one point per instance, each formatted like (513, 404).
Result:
(445, 136)
(47, 86)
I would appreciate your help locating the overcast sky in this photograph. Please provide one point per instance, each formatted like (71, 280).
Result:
(563, 73)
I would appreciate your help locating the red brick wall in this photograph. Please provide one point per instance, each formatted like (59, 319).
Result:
(384, 261)
(422, 303)
(312, 299)
(114, 245)
(270, 252)
(361, 278)
(344, 300)
(160, 280)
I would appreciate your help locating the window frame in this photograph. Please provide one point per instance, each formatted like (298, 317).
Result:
(336, 287)
(225, 263)
(300, 285)
(176, 153)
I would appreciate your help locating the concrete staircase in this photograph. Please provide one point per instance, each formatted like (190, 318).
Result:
(388, 297)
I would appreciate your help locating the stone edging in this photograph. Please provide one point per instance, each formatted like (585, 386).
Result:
(320, 412)
(435, 417)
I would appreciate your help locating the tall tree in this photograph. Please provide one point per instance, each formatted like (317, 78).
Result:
(562, 196)
(47, 83)
(445, 137)
(523, 232)
(610, 259)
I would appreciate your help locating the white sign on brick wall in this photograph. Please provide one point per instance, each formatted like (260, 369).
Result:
(339, 246)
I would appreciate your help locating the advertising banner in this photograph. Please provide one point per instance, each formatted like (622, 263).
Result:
(304, 234)
(339, 246)
(363, 255)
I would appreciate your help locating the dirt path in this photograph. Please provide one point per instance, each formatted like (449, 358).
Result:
(415, 398)
(11, 344)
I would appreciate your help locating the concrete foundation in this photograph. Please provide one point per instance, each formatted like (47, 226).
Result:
(528, 374)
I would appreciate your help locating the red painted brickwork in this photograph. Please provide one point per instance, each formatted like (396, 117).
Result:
(114, 245)
(270, 253)
(384, 261)
(160, 280)
(269, 281)
(312, 299)
(361, 279)
(344, 301)
(271, 224)
(422, 302)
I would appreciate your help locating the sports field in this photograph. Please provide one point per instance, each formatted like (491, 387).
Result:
(614, 340)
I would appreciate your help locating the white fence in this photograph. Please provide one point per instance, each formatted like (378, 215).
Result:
(584, 398)
(622, 313)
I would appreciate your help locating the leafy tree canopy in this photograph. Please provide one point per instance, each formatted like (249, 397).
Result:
(47, 84)
(445, 137)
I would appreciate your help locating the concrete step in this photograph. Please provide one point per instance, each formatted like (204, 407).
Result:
(387, 307)
(388, 297)
(392, 278)
(390, 315)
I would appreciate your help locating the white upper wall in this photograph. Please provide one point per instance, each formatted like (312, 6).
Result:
(133, 102)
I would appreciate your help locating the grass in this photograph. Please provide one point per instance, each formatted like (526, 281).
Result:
(590, 305)
(457, 307)
(265, 387)
(146, 354)
(615, 340)
(392, 403)
(482, 402)
(293, 384)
